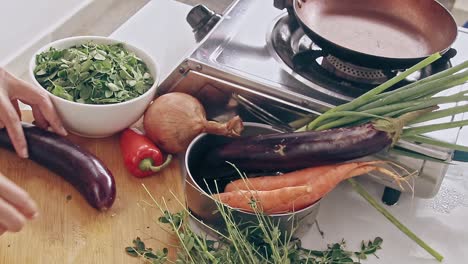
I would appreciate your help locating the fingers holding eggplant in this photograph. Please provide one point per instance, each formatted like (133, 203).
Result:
(13, 89)
(82, 169)
(16, 206)
(17, 197)
(11, 120)
(10, 217)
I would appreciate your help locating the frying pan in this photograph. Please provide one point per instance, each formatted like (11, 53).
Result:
(386, 34)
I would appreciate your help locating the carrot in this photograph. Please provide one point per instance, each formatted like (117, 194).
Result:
(276, 201)
(297, 193)
(295, 178)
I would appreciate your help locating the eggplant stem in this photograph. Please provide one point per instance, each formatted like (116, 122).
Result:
(395, 126)
(147, 164)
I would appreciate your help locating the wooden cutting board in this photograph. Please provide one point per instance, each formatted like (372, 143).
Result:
(69, 230)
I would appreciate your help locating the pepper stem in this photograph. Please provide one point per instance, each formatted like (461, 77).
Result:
(147, 164)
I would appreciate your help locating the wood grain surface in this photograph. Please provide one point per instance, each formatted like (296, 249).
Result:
(69, 230)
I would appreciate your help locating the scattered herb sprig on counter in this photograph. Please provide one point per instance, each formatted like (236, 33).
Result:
(261, 241)
(199, 249)
(93, 73)
(139, 249)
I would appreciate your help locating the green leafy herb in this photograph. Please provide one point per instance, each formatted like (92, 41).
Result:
(139, 249)
(199, 249)
(93, 73)
(259, 242)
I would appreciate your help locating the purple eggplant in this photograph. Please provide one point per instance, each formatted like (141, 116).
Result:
(79, 167)
(297, 150)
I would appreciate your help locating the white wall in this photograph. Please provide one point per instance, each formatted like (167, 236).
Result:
(26, 25)
(24, 21)
(461, 4)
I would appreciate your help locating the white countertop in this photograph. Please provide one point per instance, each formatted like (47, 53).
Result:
(160, 28)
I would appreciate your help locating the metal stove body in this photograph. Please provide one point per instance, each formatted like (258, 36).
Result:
(236, 70)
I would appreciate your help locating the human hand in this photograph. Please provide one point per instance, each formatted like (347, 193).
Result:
(12, 90)
(16, 206)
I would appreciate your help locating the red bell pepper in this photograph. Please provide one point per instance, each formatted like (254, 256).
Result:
(141, 156)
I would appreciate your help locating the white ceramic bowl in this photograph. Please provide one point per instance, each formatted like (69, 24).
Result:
(96, 121)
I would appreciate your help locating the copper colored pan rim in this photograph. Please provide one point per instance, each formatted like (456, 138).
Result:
(354, 53)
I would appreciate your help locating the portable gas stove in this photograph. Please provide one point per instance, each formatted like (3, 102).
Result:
(255, 61)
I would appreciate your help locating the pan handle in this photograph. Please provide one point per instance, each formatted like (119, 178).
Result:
(289, 6)
(439, 65)
(450, 53)
(282, 4)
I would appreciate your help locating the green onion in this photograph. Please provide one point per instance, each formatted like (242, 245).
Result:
(424, 89)
(435, 142)
(430, 128)
(363, 99)
(431, 78)
(429, 102)
(359, 189)
(415, 97)
(351, 119)
(355, 115)
(441, 113)
(394, 110)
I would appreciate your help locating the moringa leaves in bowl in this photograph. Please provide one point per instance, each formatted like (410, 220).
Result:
(93, 73)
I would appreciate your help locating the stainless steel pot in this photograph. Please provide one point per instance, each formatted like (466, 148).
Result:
(204, 207)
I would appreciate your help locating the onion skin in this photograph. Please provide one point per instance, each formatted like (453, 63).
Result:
(173, 120)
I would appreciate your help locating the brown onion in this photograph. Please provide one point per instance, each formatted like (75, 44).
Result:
(173, 120)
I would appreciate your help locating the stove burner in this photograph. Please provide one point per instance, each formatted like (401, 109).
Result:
(353, 72)
(309, 63)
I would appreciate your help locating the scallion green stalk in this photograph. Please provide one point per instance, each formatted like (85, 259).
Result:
(364, 99)
(393, 110)
(441, 113)
(425, 80)
(428, 103)
(413, 131)
(359, 189)
(435, 142)
(420, 90)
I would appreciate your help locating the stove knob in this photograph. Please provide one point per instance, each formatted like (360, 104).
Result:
(199, 16)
